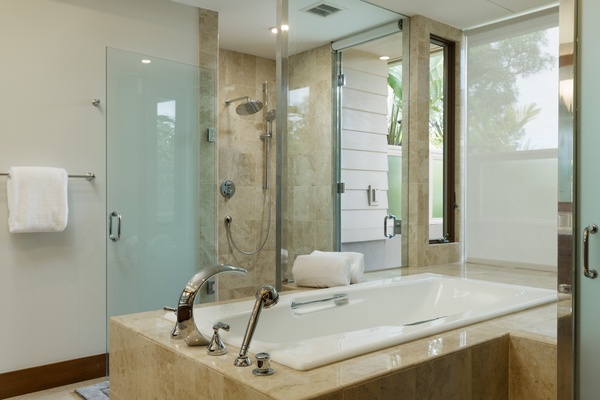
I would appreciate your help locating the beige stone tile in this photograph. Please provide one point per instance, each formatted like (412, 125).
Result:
(489, 376)
(324, 236)
(324, 205)
(304, 233)
(532, 370)
(400, 385)
(447, 377)
(304, 199)
(209, 31)
(114, 396)
(303, 170)
(332, 396)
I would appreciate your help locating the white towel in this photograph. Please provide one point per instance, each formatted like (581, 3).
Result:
(357, 263)
(37, 199)
(321, 270)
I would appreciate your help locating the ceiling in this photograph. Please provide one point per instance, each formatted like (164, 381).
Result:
(244, 25)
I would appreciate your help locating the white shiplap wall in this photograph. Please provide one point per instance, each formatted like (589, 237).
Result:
(364, 145)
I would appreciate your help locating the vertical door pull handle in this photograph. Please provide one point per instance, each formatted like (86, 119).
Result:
(110, 226)
(589, 273)
(385, 226)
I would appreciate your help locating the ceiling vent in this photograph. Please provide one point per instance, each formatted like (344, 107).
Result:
(322, 9)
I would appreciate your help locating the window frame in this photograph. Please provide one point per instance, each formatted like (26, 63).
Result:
(449, 120)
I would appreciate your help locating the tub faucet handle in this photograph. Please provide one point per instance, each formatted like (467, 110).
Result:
(216, 347)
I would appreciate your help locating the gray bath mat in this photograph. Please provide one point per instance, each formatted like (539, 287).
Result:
(99, 391)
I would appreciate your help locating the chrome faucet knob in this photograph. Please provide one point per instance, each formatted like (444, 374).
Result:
(216, 347)
(263, 362)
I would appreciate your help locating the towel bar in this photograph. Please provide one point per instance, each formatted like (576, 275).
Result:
(88, 176)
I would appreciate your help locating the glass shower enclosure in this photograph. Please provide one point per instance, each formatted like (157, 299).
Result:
(160, 179)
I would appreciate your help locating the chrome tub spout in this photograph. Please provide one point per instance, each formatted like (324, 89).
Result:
(185, 327)
(266, 296)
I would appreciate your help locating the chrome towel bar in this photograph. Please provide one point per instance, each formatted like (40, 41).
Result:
(88, 176)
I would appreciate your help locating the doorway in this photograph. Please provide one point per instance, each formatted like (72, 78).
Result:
(371, 150)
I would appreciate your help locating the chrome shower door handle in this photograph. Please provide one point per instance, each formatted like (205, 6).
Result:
(587, 272)
(110, 226)
(385, 226)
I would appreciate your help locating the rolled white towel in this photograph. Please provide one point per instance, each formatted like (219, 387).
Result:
(321, 270)
(357, 263)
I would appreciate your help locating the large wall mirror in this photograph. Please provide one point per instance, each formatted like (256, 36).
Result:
(317, 108)
(339, 105)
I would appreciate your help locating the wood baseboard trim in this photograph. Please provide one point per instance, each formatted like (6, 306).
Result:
(16, 383)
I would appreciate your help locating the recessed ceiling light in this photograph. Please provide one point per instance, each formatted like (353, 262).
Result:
(384, 58)
(146, 61)
(273, 29)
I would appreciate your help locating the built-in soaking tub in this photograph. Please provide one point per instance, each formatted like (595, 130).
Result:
(374, 315)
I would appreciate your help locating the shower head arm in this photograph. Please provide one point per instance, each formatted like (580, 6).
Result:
(228, 102)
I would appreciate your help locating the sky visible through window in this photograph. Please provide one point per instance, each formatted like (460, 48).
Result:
(542, 89)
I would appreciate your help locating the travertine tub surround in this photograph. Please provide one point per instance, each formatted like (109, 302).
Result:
(467, 363)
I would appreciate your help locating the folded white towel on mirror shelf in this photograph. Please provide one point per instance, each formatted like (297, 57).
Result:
(321, 270)
(357, 263)
(37, 199)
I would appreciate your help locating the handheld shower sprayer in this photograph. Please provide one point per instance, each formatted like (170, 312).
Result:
(266, 297)
(271, 115)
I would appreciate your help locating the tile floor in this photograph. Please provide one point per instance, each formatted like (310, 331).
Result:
(59, 393)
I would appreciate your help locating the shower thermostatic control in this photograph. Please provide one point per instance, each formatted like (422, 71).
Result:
(227, 189)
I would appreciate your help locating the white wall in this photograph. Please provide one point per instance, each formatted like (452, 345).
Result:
(52, 285)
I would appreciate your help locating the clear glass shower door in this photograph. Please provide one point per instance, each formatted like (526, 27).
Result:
(160, 180)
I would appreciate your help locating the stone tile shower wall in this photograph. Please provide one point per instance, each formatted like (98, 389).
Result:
(309, 161)
(209, 61)
(241, 160)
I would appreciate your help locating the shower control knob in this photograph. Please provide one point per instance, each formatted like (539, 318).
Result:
(227, 189)
(263, 362)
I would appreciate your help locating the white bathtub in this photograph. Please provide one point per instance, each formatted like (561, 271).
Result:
(377, 314)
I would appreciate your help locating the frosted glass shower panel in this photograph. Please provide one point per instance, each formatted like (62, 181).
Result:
(154, 152)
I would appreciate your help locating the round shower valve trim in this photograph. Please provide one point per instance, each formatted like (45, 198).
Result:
(227, 189)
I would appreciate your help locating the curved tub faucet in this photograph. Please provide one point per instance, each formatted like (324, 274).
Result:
(185, 327)
(266, 296)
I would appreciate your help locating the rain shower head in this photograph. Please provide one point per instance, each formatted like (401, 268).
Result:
(249, 107)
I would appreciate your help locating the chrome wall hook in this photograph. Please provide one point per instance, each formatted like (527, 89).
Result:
(96, 102)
